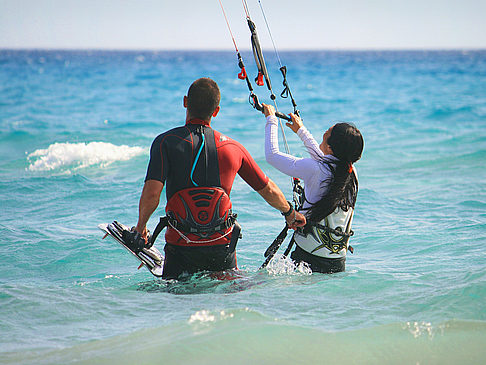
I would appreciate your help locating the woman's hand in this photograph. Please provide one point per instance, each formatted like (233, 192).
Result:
(268, 110)
(295, 124)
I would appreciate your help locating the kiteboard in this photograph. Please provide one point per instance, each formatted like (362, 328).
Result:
(151, 258)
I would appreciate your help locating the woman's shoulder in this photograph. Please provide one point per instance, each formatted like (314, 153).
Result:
(328, 161)
(327, 165)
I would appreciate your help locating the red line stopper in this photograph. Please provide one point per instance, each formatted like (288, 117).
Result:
(242, 74)
(259, 79)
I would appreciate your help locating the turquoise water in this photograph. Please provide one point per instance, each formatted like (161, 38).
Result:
(75, 131)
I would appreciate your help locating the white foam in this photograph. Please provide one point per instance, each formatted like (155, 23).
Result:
(204, 316)
(286, 266)
(80, 155)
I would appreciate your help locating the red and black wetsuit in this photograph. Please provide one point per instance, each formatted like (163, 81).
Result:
(178, 160)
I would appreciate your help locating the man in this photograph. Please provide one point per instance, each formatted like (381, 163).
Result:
(198, 166)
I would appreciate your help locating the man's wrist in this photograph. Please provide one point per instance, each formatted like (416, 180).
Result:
(288, 212)
(140, 230)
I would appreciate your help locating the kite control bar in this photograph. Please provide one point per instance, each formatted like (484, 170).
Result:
(256, 104)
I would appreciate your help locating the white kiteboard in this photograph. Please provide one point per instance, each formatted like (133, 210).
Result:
(151, 258)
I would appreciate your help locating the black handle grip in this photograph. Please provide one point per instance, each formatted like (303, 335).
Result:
(256, 104)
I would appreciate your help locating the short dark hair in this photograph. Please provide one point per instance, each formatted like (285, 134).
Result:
(203, 98)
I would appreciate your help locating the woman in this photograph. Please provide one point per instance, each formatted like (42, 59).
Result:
(330, 189)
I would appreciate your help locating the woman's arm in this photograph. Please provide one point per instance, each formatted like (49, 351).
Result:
(302, 168)
(309, 142)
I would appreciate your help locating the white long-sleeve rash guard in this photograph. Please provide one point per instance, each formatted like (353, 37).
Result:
(316, 175)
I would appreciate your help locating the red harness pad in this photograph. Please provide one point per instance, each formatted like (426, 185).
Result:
(203, 215)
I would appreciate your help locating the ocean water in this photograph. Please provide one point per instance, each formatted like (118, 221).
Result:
(75, 132)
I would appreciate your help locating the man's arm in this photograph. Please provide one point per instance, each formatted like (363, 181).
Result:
(149, 201)
(274, 196)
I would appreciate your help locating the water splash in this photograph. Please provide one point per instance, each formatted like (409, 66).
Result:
(67, 156)
(280, 265)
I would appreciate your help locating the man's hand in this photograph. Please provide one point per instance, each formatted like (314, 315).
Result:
(274, 196)
(143, 232)
(295, 220)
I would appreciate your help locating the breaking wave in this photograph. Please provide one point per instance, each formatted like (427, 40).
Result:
(60, 156)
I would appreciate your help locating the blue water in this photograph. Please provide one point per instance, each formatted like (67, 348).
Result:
(75, 131)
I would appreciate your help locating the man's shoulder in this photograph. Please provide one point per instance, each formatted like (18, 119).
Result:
(180, 130)
(222, 139)
(230, 147)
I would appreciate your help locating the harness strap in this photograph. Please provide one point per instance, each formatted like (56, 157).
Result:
(164, 222)
(189, 229)
(235, 237)
(188, 240)
(168, 221)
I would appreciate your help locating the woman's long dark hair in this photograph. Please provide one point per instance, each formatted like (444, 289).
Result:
(347, 144)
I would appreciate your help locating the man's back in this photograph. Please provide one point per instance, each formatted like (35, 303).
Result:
(181, 160)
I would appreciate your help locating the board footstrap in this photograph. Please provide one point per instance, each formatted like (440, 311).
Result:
(134, 241)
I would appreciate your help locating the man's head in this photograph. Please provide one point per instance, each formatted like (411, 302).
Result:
(202, 99)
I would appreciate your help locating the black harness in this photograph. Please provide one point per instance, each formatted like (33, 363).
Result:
(194, 208)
